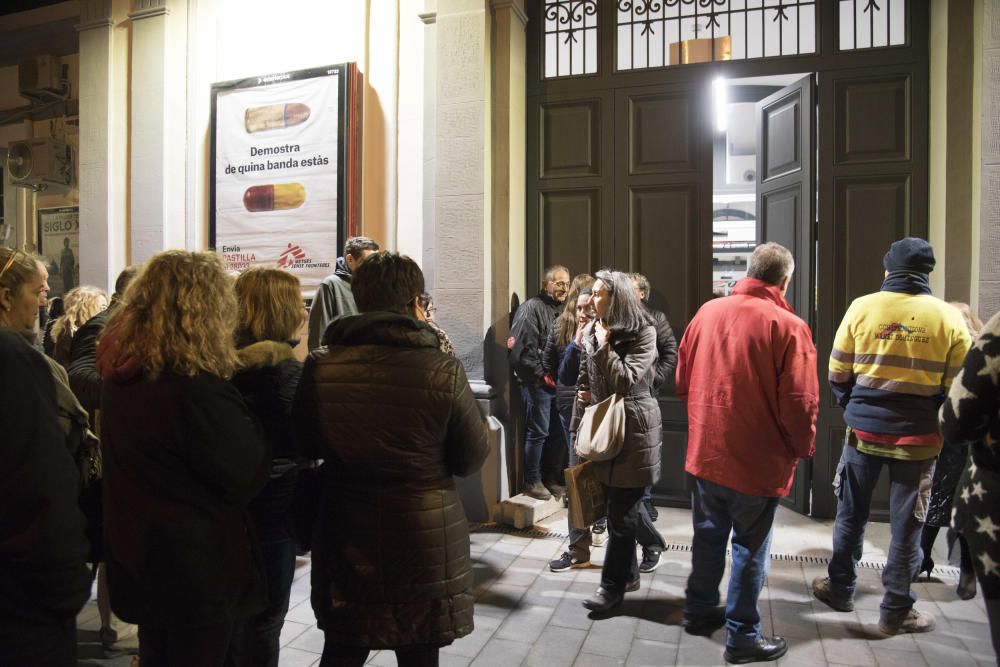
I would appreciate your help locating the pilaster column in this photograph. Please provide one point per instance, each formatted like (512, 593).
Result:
(102, 144)
(989, 216)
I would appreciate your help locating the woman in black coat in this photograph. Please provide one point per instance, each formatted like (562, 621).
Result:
(394, 419)
(971, 414)
(270, 313)
(620, 358)
(183, 457)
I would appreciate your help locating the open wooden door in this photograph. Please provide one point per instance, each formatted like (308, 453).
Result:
(786, 200)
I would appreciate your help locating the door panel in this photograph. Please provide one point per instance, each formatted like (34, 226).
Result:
(663, 224)
(873, 190)
(786, 154)
(570, 138)
(570, 228)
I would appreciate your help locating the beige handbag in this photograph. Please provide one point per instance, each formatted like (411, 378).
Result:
(602, 430)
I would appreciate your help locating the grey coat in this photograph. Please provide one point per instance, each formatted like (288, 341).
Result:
(627, 366)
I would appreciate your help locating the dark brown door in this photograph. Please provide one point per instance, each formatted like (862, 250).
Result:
(872, 191)
(786, 196)
(663, 223)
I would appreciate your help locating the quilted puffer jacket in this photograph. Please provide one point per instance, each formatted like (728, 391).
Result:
(394, 419)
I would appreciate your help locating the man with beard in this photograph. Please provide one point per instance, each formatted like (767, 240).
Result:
(528, 335)
(334, 299)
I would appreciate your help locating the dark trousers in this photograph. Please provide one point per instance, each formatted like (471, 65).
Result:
(52, 645)
(541, 423)
(341, 655)
(717, 511)
(983, 544)
(204, 646)
(620, 564)
(909, 491)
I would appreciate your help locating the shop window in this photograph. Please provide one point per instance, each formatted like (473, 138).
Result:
(872, 24)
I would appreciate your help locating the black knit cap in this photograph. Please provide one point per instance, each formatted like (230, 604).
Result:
(909, 254)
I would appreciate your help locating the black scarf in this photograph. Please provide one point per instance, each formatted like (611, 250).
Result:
(907, 282)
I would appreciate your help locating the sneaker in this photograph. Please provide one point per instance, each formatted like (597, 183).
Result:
(651, 509)
(650, 560)
(762, 650)
(599, 532)
(537, 491)
(914, 621)
(567, 562)
(821, 589)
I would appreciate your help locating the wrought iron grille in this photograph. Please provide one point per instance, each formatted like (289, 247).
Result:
(652, 33)
(570, 37)
(872, 24)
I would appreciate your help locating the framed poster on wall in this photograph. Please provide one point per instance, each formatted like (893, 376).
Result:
(59, 245)
(284, 156)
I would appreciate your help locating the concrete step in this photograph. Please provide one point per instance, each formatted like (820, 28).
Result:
(523, 511)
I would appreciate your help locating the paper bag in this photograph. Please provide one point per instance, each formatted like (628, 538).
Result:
(585, 495)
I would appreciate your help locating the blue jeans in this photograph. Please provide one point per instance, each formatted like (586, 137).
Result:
(717, 511)
(857, 475)
(540, 415)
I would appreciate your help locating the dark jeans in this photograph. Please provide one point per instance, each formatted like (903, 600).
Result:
(620, 564)
(717, 511)
(256, 642)
(540, 415)
(341, 655)
(909, 491)
(52, 645)
(175, 646)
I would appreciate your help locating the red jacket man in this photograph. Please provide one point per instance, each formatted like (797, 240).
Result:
(747, 371)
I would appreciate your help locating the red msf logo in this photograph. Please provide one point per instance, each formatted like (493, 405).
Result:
(289, 257)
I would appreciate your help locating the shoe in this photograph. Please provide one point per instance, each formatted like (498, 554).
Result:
(821, 590)
(603, 600)
(650, 560)
(926, 566)
(537, 491)
(632, 586)
(567, 562)
(651, 509)
(914, 621)
(558, 490)
(599, 532)
(966, 588)
(704, 626)
(765, 648)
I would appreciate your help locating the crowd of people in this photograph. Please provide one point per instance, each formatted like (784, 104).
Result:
(168, 435)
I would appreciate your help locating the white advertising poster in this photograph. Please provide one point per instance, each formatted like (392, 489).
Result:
(59, 245)
(276, 175)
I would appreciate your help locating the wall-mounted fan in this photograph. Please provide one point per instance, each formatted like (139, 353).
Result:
(38, 163)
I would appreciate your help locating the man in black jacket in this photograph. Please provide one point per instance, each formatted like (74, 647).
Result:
(666, 348)
(528, 335)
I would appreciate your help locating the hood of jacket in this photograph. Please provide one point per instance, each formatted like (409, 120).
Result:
(381, 328)
(341, 270)
(265, 353)
(112, 364)
(761, 290)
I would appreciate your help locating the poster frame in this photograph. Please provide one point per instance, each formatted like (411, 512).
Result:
(40, 248)
(343, 138)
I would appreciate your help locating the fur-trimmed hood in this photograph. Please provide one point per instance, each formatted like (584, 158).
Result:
(265, 353)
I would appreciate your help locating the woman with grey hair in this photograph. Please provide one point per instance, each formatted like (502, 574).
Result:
(620, 358)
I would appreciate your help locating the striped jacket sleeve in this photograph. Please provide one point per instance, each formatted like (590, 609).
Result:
(841, 375)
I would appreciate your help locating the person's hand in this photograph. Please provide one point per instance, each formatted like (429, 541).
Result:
(578, 338)
(549, 381)
(601, 332)
(583, 395)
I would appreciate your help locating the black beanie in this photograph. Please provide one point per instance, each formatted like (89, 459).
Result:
(909, 254)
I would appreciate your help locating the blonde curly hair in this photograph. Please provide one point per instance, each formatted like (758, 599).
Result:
(80, 304)
(179, 316)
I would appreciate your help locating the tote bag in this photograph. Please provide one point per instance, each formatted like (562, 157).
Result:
(585, 495)
(602, 430)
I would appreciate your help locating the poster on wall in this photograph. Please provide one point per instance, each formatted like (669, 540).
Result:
(279, 153)
(59, 245)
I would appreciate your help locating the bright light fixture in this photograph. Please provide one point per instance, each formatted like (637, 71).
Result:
(721, 104)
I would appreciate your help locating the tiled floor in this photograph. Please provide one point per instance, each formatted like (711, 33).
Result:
(527, 615)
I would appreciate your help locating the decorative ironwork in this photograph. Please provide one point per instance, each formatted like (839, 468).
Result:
(567, 22)
(657, 33)
(874, 26)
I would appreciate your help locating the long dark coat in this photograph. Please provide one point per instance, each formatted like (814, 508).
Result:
(182, 459)
(394, 419)
(627, 366)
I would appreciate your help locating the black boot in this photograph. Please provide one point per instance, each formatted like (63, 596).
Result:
(927, 538)
(966, 588)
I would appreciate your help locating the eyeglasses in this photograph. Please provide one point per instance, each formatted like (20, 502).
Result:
(561, 283)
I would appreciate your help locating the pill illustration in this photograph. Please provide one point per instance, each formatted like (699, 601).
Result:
(275, 116)
(275, 197)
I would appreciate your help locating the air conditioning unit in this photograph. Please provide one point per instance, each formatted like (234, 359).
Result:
(42, 78)
(38, 163)
(741, 169)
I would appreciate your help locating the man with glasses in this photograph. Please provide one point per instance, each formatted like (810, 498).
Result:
(528, 334)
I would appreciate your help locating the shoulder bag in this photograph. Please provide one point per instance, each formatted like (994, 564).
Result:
(602, 430)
